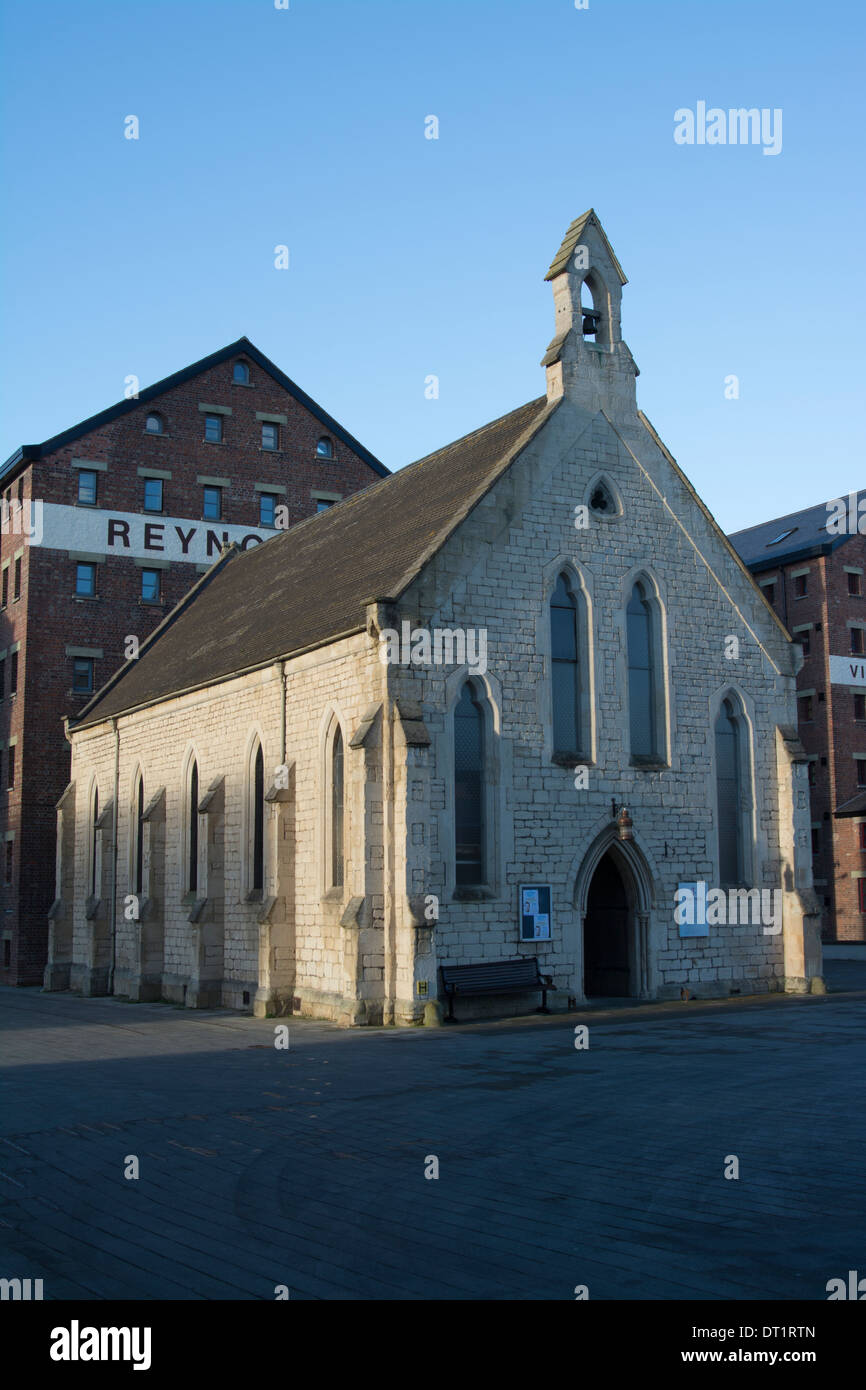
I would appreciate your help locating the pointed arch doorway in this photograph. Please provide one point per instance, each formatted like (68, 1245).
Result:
(607, 946)
(613, 897)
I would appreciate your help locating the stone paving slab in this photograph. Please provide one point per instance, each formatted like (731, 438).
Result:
(558, 1166)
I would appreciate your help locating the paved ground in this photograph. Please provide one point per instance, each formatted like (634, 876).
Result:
(558, 1167)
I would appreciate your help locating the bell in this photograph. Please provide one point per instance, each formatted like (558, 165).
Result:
(590, 322)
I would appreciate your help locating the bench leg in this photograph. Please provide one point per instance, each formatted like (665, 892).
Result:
(544, 1009)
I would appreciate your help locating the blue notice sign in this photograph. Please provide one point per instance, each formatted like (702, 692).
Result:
(536, 917)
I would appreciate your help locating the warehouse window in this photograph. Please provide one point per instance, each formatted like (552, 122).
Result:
(212, 504)
(87, 487)
(82, 674)
(154, 424)
(241, 374)
(150, 586)
(325, 448)
(270, 437)
(153, 494)
(267, 509)
(85, 580)
(213, 429)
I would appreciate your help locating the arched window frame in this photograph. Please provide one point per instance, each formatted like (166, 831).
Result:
(604, 480)
(579, 583)
(659, 756)
(158, 418)
(190, 827)
(743, 719)
(94, 857)
(136, 834)
(325, 447)
(498, 839)
(255, 821)
(594, 298)
(240, 373)
(335, 740)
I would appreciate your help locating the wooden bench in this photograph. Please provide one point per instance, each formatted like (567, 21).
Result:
(495, 977)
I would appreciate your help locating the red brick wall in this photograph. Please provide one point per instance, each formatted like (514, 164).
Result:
(832, 734)
(847, 737)
(49, 616)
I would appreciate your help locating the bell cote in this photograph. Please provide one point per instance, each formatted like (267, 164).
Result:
(587, 359)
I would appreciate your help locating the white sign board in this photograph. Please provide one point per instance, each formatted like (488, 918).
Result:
(848, 670)
(138, 536)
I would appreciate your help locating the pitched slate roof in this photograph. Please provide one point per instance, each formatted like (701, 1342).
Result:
(572, 239)
(792, 537)
(243, 347)
(309, 585)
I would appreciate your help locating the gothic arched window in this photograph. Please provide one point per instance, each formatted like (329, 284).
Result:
(257, 821)
(642, 673)
(192, 828)
(565, 669)
(469, 828)
(337, 810)
(138, 812)
(732, 792)
(94, 841)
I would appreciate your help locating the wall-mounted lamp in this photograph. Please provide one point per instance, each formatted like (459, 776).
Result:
(624, 824)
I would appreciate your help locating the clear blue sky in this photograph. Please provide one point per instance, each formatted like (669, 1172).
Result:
(410, 256)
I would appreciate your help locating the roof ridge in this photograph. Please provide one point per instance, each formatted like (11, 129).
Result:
(789, 516)
(125, 406)
(373, 488)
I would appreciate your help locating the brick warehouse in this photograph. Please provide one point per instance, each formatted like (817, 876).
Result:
(291, 803)
(810, 567)
(135, 504)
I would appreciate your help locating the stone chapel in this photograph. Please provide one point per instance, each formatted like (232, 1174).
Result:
(512, 700)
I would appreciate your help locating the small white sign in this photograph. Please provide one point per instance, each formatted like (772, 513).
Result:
(848, 670)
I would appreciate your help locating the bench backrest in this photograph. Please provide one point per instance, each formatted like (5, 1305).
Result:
(507, 973)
